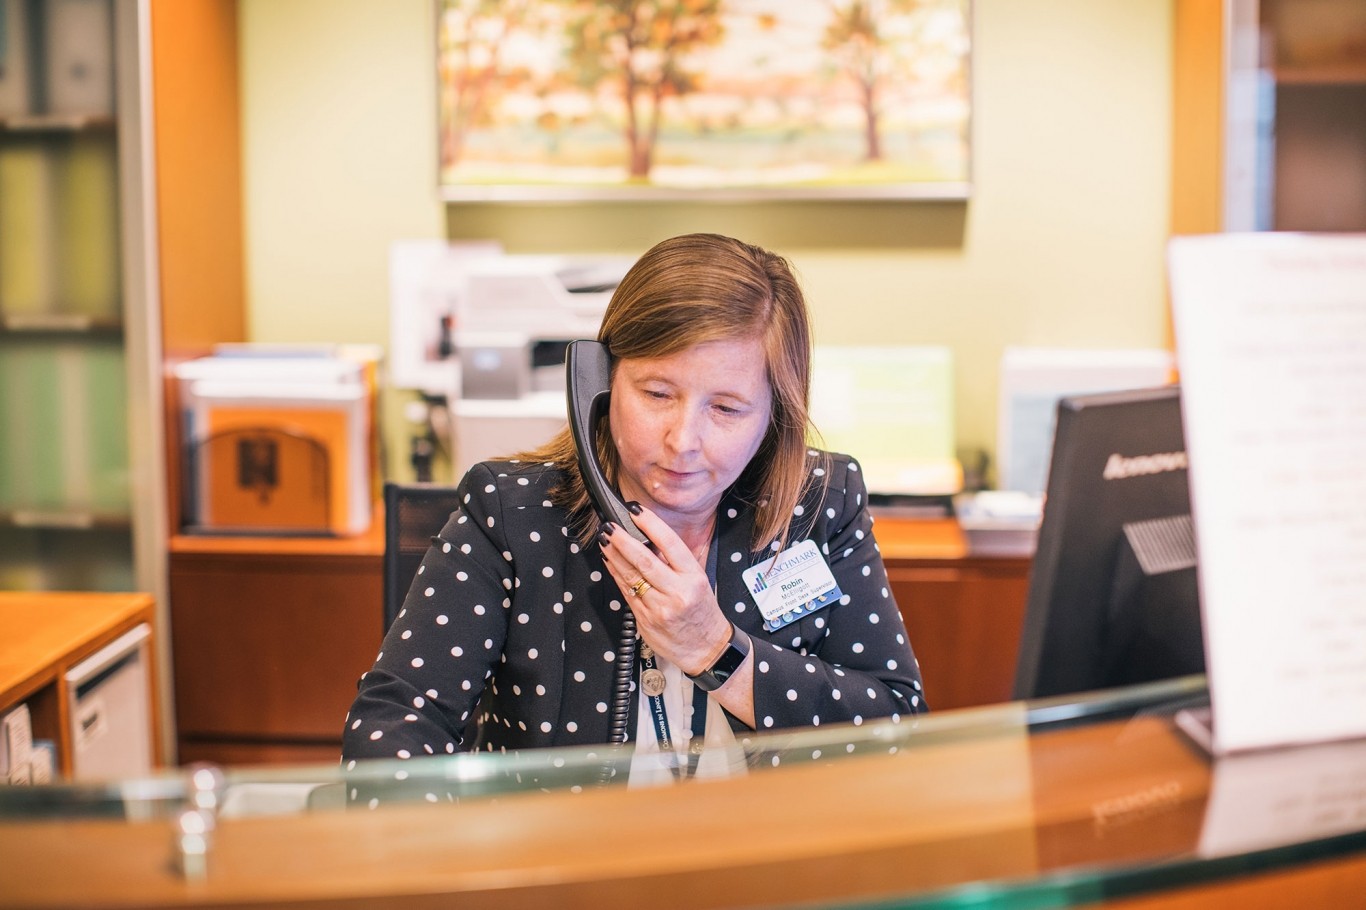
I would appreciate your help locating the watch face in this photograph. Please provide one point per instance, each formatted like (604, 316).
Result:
(726, 665)
(728, 662)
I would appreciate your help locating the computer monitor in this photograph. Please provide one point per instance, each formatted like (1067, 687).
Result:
(1113, 598)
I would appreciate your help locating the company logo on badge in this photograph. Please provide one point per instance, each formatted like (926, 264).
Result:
(792, 584)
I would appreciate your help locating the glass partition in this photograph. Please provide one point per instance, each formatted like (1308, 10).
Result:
(1055, 802)
(274, 790)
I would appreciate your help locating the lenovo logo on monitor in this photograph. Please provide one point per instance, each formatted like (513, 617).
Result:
(1118, 466)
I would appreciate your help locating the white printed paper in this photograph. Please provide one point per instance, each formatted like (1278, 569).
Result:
(1284, 796)
(1271, 340)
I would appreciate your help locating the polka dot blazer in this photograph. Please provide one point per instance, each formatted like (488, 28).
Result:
(508, 635)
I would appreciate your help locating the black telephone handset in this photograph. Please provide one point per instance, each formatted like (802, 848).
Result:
(588, 375)
(588, 368)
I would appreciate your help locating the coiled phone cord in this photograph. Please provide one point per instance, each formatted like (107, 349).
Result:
(625, 670)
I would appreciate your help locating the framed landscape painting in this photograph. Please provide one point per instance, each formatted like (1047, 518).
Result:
(704, 99)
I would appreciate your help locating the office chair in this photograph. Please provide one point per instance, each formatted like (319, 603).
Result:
(413, 514)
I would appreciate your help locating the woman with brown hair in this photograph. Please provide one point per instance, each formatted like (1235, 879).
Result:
(761, 602)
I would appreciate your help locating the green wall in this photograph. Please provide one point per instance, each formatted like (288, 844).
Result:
(1060, 245)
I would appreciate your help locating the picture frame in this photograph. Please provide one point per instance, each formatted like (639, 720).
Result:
(565, 100)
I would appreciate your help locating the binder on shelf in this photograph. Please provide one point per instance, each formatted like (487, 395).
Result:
(33, 411)
(16, 744)
(106, 394)
(27, 228)
(79, 57)
(15, 84)
(88, 228)
(64, 404)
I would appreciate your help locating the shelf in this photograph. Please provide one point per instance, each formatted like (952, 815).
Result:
(64, 520)
(367, 544)
(25, 324)
(38, 124)
(1345, 74)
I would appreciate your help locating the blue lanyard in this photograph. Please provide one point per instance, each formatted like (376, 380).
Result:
(648, 664)
(661, 719)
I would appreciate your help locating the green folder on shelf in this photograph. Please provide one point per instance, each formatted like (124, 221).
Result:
(64, 426)
(31, 418)
(106, 423)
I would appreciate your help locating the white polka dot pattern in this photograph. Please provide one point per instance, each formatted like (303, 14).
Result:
(542, 663)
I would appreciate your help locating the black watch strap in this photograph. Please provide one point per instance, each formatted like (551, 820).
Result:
(715, 676)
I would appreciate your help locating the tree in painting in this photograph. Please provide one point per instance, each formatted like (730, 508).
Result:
(473, 73)
(642, 47)
(866, 39)
(703, 94)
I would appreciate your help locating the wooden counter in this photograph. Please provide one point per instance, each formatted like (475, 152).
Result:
(43, 635)
(1073, 816)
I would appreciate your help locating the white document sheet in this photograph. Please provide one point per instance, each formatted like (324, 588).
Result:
(1277, 797)
(1271, 342)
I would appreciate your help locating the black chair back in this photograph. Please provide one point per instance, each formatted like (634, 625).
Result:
(413, 514)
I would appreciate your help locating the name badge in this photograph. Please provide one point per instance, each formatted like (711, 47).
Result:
(792, 584)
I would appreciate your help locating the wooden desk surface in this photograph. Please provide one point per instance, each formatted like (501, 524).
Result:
(41, 632)
(899, 538)
(919, 538)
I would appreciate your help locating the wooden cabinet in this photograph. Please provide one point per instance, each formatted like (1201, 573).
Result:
(269, 636)
(1312, 147)
(963, 612)
(964, 618)
(1269, 116)
(43, 636)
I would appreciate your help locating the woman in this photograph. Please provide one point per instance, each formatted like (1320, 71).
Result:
(510, 636)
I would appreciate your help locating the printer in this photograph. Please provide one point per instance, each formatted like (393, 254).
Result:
(515, 315)
(484, 332)
(510, 325)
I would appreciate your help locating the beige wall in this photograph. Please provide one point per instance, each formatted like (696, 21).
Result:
(1060, 245)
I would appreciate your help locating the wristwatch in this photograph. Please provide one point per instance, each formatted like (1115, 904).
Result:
(715, 676)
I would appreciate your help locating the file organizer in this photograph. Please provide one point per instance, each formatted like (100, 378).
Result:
(276, 445)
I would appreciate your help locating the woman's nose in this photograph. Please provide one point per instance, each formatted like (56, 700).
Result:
(684, 431)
